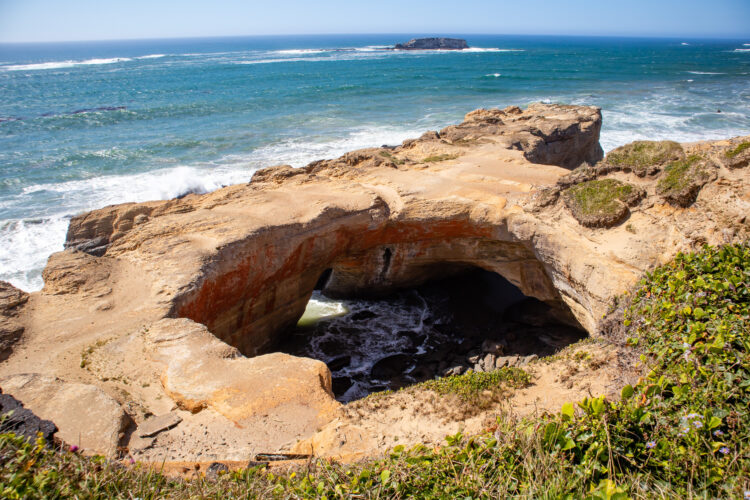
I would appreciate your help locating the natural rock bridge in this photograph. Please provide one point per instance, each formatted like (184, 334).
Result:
(162, 297)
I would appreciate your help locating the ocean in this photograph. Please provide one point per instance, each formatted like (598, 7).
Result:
(83, 125)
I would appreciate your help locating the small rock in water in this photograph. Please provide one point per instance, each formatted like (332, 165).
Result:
(341, 384)
(363, 315)
(339, 363)
(493, 347)
(390, 366)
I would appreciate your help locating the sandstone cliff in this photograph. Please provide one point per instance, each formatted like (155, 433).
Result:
(160, 304)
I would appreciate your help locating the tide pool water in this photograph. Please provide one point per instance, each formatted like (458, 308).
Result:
(90, 124)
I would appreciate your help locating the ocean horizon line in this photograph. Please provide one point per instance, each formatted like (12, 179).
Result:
(641, 37)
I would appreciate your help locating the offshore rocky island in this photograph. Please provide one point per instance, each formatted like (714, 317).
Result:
(159, 332)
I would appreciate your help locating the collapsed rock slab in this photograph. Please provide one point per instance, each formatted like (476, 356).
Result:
(201, 371)
(22, 421)
(153, 426)
(84, 414)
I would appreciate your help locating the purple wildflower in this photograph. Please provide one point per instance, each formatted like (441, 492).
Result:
(73, 448)
(697, 424)
(651, 444)
(718, 432)
(724, 450)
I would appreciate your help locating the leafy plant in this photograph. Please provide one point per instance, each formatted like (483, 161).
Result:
(683, 431)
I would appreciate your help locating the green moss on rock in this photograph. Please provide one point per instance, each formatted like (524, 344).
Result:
(681, 180)
(601, 203)
(438, 158)
(734, 152)
(645, 157)
(737, 156)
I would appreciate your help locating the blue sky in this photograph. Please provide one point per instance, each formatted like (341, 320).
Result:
(64, 20)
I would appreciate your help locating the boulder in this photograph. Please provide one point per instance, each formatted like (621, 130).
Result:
(85, 415)
(391, 366)
(22, 421)
(200, 371)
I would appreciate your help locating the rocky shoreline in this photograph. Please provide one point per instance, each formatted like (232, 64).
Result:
(173, 310)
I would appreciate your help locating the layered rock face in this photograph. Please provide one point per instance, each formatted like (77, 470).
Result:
(162, 305)
(433, 44)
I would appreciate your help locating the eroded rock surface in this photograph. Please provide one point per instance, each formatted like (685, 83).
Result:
(12, 301)
(84, 414)
(161, 306)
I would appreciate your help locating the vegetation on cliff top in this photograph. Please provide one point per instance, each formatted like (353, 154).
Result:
(681, 180)
(642, 156)
(600, 203)
(682, 432)
(439, 158)
(743, 146)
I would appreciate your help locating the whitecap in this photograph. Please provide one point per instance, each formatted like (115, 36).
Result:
(301, 51)
(496, 75)
(704, 73)
(684, 43)
(152, 56)
(742, 50)
(64, 64)
(490, 49)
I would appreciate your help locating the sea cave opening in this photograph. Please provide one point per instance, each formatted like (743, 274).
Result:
(474, 319)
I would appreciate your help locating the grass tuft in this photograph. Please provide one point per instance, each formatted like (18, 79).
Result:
(389, 156)
(439, 158)
(743, 146)
(472, 386)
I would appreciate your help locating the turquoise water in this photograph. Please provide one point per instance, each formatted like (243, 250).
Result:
(86, 125)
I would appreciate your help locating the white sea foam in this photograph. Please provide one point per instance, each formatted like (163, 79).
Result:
(684, 43)
(490, 49)
(496, 75)
(25, 244)
(742, 50)
(270, 61)
(63, 64)
(301, 51)
(704, 73)
(152, 56)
